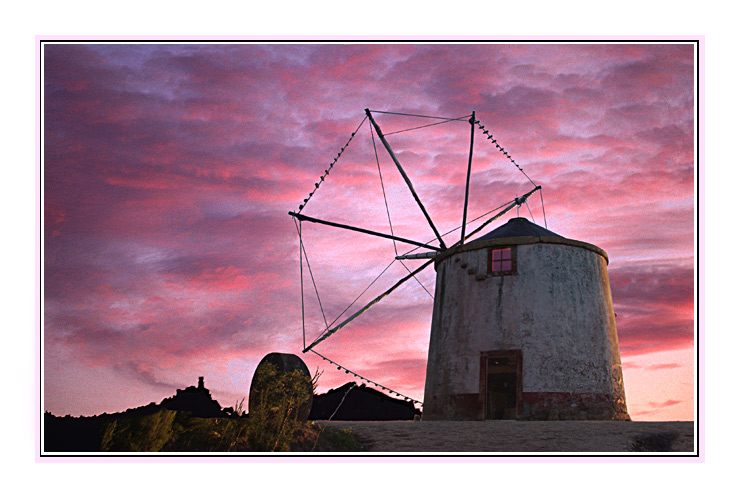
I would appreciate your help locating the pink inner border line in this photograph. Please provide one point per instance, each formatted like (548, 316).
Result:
(700, 306)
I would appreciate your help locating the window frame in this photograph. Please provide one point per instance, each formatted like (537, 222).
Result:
(513, 261)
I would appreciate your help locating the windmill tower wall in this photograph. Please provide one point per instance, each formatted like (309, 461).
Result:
(529, 333)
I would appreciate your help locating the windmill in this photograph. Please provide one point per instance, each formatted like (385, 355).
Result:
(436, 247)
(491, 374)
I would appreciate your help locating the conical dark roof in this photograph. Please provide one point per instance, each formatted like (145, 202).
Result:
(518, 227)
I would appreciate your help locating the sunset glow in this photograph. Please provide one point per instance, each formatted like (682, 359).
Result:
(169, 172)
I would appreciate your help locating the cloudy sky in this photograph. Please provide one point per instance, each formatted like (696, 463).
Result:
(169, 171)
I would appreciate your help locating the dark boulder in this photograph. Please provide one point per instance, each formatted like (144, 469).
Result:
(265, 390)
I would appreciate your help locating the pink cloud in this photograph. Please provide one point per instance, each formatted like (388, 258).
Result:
(169, 171)
(666, 403)
(656, 367)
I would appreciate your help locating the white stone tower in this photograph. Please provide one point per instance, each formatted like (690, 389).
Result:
(523, 328)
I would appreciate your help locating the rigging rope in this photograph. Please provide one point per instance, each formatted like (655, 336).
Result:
(378, 166)
(502, 150)
(302, 248)
(301, 280)
(359, 296)
(529, 211)
(416, 279)
(457, 228)
(353, 302)
(422, 115)
(301, 245)
(348, 371)
(425, 126)
(327, 172)
(362, 293)
(386, 205)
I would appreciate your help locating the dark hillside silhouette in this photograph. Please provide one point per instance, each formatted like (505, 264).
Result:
(361, 404)
(83, 434)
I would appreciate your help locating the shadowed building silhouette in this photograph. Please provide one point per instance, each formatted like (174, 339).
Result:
(194, 399)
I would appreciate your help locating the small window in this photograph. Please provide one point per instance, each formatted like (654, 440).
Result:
(502, 261)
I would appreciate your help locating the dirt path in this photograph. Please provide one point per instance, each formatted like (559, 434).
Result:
(516, 436)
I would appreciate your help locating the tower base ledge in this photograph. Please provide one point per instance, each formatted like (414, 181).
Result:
(532, 406)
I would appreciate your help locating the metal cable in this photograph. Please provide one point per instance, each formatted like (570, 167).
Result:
(301, 280)
(421, 115)
(415, 277)
(302, 249)
(301, 244)
(502, 150)
(357, 298)
(378, 166)
(457, 228)
(386, 205)
(327, 172)
(348, 371)
(529, 211)
(423, 126)
(364, 291)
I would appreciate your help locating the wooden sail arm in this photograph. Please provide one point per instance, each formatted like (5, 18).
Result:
(516, 202)
(418, 256)
(304, 218)
(404, 176)
(369, 305)
(472, 120)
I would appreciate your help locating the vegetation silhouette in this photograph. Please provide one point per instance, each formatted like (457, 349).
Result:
(191, 421)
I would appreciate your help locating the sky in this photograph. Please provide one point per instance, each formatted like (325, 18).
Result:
(169, 172)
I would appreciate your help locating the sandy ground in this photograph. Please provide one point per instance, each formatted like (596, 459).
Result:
(512, 436)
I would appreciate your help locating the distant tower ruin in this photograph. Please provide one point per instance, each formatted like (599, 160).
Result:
(523, 328)
(200, 382)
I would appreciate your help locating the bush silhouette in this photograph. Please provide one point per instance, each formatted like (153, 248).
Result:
(139, 434)
(277, 422)
(278, 407)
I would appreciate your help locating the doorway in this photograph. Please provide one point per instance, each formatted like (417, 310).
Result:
(502, 384)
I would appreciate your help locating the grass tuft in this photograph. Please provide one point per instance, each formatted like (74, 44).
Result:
(275, 424)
